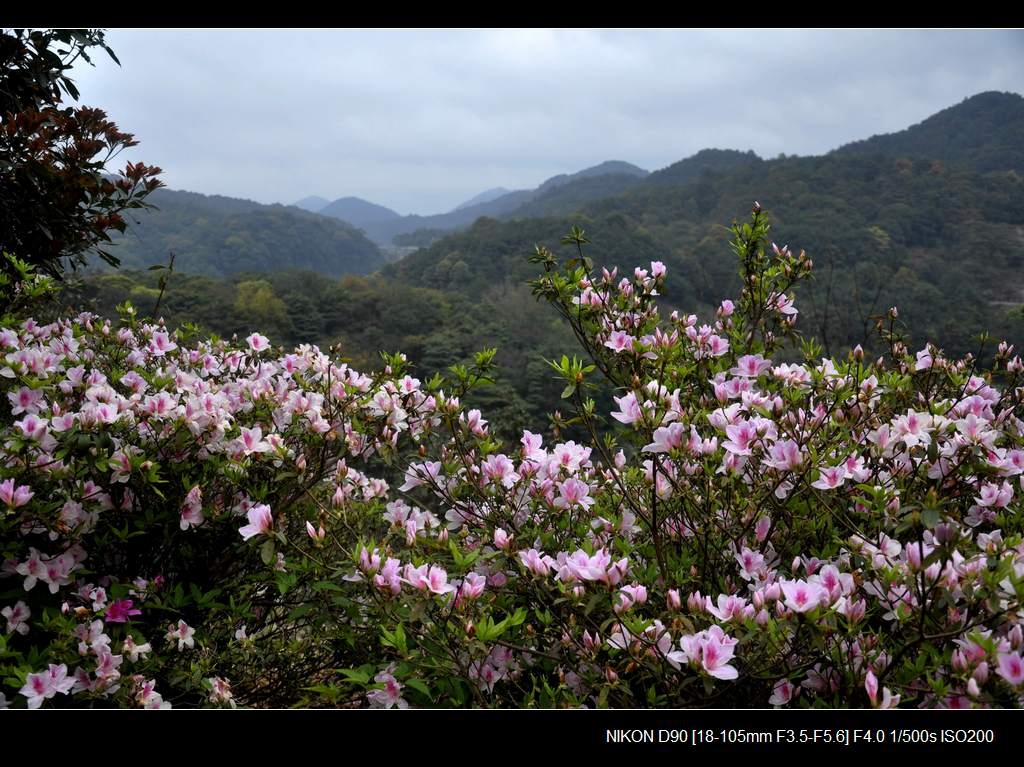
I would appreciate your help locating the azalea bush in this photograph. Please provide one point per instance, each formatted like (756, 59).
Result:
(204, 522)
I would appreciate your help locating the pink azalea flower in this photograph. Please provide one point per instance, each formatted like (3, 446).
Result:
(801, 596)
(17, 617)
(220, 691)
(782, 693)
(258, 343)
(261, 521)
(888, 699)
(45, 684)
(192, 509)
(25, 400)
(390, 694)
(750, 366)
(160, 344)
(535, 561)
(924, 360)
(667, 438)
(830, 477)
(785, 455)
(181, 633)
(437, 581)
(499, 469)
(716, 346)
(476, 423)
(741, 437)
(629, 409)
(711, 650)
(729, 607)
(472, 587)
(14, 496)
(134, 650)
(389, 578)
(785, 306)
(620, 341)
(572, 493)
(252, 441)
(1011, 668)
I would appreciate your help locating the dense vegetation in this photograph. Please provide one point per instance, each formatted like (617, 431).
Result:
(190, 522)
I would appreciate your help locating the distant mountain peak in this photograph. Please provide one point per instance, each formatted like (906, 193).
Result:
(485, 196)
(358, 212)
(606, 168)
(313, 203)
(705, 161)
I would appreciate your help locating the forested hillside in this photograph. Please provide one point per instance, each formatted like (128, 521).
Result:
(219, 236)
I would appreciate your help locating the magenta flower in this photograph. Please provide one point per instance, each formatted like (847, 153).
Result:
(120, 611)
(260, 522)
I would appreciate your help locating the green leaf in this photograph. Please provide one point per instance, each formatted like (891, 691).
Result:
(418, 685)
(267, 552)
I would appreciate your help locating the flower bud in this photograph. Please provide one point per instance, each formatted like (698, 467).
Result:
(673, 600)
(981, 672)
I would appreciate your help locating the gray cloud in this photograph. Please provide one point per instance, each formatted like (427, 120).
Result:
(422, 120)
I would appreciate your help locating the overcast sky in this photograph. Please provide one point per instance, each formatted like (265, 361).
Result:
(422, 120)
